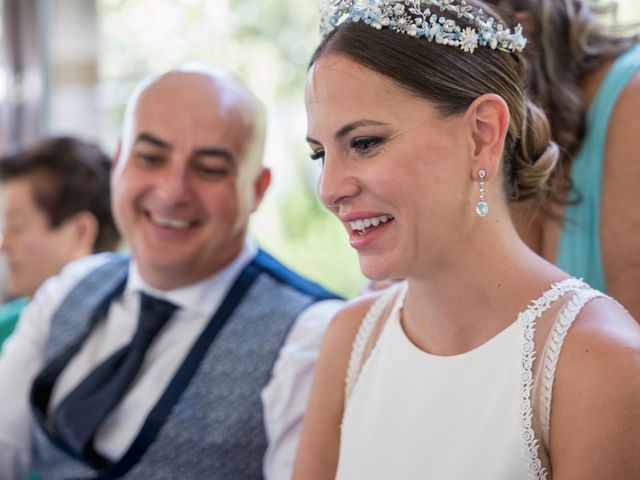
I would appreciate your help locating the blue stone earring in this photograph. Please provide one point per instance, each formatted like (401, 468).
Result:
(482, 208)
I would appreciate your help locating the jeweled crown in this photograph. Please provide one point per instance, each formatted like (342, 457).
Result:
(425, 19)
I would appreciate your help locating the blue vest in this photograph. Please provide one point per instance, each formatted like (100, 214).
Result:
(208, 424)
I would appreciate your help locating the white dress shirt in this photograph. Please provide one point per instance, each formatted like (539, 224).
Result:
(283, 398)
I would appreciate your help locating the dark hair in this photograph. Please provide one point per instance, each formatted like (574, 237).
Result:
(566, 43)
(452, 79)
(71, 176)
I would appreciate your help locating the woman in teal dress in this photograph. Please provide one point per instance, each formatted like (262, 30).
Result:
(588, 81)
(56, 208)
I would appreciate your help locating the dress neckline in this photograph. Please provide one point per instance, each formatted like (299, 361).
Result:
(535, 308)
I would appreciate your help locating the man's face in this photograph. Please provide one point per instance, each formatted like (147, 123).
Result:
(183, 188)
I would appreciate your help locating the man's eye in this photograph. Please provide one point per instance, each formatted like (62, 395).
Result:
(212, 171)
(149, 158)
(364, 144)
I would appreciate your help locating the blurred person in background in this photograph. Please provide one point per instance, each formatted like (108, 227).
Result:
(56, 209)
(587, 79)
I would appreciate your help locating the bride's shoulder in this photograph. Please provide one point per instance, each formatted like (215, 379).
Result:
(367, 307)
(363, 307)
(603, 341)
(603, 326)
(597, 387)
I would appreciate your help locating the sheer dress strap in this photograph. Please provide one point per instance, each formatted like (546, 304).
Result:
(552, 340)
(369, 331)
(535, 452)
(550, 355)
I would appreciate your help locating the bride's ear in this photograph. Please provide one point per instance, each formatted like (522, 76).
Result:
(488, 121)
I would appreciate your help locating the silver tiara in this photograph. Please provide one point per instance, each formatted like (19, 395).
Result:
(424, 19)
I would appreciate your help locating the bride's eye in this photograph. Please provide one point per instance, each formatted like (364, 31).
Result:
(317, 155)
(365, 144)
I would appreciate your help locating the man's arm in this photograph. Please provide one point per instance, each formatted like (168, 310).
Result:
(285, 397)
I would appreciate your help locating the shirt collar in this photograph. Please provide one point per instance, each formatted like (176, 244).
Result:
(202, 297)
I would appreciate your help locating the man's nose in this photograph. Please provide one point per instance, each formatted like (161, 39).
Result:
(173, 184)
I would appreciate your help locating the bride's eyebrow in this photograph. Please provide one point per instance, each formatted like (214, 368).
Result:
(349, 127)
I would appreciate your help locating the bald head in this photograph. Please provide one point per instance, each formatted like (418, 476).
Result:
(202, 90)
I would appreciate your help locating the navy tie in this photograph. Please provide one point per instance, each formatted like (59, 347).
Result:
(80, 414)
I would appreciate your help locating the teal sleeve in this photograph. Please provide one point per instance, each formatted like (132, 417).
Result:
(579, 251)
(9, 315)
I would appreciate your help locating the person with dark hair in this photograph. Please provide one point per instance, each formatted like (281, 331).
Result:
(193, 357)
(56, 209)
(587, 79)
(484, 360)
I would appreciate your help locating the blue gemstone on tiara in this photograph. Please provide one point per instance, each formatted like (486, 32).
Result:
(425, 19)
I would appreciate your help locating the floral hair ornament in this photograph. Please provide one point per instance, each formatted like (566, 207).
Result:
(425, 19)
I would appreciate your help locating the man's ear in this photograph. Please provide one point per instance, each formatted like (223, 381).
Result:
(261, 184)
(488, 119)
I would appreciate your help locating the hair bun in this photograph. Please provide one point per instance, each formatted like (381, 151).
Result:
(535, 156)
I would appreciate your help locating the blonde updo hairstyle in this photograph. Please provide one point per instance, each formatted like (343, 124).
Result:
(452, 79)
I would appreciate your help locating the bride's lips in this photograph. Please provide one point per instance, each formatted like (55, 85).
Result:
(365, 228)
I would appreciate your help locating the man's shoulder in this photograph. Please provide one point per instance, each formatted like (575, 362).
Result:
(72, 274)
(285, 275)
(78, 269)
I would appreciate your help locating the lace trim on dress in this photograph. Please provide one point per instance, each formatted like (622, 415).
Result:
(364, 334)
(527, 320)
(552, 353)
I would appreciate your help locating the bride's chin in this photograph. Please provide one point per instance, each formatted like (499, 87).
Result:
(376, 272)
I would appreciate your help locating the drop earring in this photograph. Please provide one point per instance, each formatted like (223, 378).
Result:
(482, 208)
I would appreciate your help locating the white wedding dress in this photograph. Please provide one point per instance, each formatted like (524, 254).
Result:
(413, 415)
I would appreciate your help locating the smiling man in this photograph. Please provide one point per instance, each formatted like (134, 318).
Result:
(192, 357)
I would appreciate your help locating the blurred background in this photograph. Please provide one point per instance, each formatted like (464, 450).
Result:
(67, 67)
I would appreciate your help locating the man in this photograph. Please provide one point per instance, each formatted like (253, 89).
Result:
(56, 209)
(219, 392)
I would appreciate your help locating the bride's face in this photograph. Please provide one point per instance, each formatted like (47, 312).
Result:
(395, 170)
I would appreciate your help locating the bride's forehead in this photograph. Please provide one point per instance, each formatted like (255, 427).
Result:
(335, 79)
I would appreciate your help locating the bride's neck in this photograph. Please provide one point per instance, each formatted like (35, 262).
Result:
(467, 300)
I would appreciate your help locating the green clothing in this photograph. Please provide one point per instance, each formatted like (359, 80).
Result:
(9, 315)
(579, 251)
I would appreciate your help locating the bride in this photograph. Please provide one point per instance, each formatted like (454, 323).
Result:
(486, 361)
